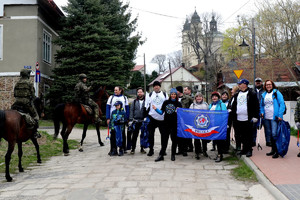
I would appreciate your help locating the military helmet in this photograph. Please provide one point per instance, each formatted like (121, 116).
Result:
(82, 76)
(25, 73)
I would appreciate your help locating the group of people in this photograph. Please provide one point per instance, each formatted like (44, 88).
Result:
(248, 109)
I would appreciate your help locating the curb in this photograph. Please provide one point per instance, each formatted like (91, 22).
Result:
(264, 180)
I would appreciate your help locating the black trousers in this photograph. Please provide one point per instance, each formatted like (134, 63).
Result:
(135, 134)
(170, 130)
(243, 134)
(153, 124)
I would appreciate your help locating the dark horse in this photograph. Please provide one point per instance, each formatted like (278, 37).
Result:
(13, 129)
(72, 113)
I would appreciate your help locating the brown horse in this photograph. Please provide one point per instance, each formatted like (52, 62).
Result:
(72, 113)
(14, 130)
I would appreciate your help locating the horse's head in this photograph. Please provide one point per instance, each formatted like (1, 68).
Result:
(100, 97)
(39, 106)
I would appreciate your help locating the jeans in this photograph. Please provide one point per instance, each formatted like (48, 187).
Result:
(270, 129)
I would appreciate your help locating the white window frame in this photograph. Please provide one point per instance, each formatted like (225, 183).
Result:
(47, 46)
(1, 41)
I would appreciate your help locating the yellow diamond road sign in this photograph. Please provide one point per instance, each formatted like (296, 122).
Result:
(238, 73)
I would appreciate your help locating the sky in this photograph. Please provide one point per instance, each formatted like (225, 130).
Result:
(161, 21)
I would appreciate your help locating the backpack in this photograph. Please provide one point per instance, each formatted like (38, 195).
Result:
(163, 93)
(114, 96)
(283, 137)
(275, 94)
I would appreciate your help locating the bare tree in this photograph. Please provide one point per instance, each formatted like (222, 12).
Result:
(205, 40)
(175, 58)
(277, 31)
(160, 60)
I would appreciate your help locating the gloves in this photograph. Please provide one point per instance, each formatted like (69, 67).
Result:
(130, 123)
(229, 110)
(254, 120)
(298, 125)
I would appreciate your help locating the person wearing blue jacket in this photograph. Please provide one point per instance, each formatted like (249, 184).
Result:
(217, 104)
(272, 108)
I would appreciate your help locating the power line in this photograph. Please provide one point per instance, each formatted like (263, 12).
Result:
(236, 11)
(155, 13)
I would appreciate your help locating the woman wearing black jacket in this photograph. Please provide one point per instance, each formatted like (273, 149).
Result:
(169, 107)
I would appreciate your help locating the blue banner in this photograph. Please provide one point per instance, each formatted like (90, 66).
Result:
(202, 124)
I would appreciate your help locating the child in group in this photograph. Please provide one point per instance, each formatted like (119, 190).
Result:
(116, 126)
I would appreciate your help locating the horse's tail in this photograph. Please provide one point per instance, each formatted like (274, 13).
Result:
(58, 117)
(2, 123)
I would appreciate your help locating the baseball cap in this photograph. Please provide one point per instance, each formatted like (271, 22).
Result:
(245, 81)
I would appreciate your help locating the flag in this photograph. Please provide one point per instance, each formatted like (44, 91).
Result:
(202, 124)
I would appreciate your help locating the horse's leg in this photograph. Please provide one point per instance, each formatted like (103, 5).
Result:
(10, 149)
(20, 154)
(83, 137)
(37, 148)
(98, 134)
(65, 140)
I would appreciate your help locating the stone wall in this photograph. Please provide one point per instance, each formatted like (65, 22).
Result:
(7, 84)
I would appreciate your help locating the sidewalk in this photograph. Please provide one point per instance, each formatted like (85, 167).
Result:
(93, 175)
(283, 173)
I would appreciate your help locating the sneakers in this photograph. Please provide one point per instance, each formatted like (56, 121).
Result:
(143, 151)
(276, 155)
(270, 153)
(219, 158)
(184, 154)
(197, 156)
(249, 154)
(132, 151)
(150, 153)
(121, 152)
(159, 158)
(205, 154)
(298, 155)
(113, 153)
(173, 157)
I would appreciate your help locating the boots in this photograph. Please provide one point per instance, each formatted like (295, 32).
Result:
(36, 134)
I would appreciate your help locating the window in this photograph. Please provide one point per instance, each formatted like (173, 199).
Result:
(1, 42)
(47, 46)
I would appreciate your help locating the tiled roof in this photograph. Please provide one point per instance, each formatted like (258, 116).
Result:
(138, 67)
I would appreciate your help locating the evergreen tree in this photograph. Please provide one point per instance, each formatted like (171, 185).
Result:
(97, 40)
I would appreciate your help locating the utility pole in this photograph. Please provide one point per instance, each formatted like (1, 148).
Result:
(145, 74)
(170, 73)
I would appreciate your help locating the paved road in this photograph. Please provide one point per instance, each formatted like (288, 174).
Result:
(92, 174)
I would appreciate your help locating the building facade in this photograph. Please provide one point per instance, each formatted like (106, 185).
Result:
(204, 36)
(27, 31)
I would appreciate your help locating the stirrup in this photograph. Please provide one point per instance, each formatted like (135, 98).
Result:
(37, 135)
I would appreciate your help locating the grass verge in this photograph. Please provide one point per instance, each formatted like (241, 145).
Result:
(48, 148)
(49, 123)
(242, 172)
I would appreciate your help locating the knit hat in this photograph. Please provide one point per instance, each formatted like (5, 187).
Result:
(156, 83)
(173, 90)
(179, 89)
(198, 94)
(215, 93)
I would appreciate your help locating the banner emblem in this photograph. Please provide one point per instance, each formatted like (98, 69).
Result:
(202, 121)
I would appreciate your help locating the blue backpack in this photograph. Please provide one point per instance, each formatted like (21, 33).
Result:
(283, 137)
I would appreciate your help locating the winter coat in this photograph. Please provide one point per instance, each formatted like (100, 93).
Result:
(137, 113)
(199, 106)
(278, 104)
(252, 105)
(220, 106)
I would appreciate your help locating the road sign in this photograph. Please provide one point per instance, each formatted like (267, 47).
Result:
(238, 73)
(37, 76)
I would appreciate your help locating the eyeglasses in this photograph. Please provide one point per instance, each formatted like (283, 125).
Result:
(268, 84)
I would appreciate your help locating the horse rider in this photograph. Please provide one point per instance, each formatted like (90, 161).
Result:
(83, 96)
(25, 94)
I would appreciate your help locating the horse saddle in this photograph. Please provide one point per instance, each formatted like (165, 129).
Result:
(30, 122)
(88, 109)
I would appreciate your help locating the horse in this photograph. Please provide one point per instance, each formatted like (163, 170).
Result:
(70, 114)
(13, 129)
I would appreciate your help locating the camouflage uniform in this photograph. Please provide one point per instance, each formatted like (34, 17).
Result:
(297, 111)
(24, 94)
(82, 96)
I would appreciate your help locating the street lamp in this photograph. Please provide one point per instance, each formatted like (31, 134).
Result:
(244, 44)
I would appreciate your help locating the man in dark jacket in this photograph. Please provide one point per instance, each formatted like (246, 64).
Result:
(259, 90)
(83, 96)
(24, 94)
(136, 117)
(184, 144)
(245, 111)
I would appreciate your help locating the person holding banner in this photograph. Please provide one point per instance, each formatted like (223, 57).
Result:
(297, 120)
(217, 104)
(245, 111)
(199, 104)
(169, 108)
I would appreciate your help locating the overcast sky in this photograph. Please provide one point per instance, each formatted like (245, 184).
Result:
(161, 21)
